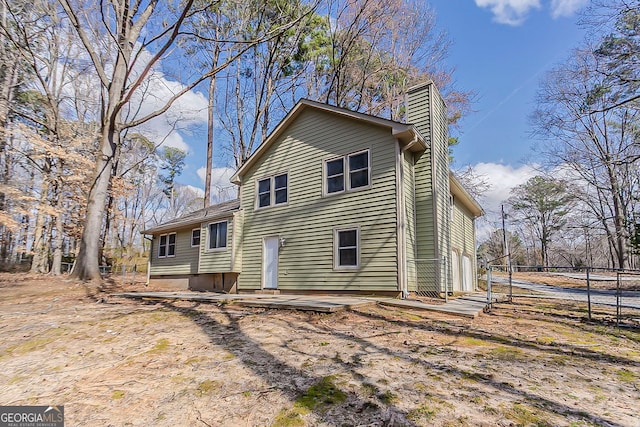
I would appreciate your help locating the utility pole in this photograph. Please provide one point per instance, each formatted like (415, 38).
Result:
(507, 254)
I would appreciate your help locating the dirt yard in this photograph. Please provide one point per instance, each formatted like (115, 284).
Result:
(119, 362)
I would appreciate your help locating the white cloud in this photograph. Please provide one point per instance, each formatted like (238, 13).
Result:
(502, 178)
(221, 187)
(187, 112)
(199, 192)
(510, 12)
(515, 12)
(560, 8)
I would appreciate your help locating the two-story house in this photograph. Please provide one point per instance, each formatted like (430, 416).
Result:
(334, 201)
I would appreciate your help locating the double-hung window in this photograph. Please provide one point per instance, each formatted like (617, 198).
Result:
(167, 245)
(273, 191)
(195, 237)
(350, 172)
(217, 236)
(346, 248)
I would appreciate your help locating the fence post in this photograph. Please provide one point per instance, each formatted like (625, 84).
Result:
(588, 293)
(618, 299)
(489, 297)
(446, 277)
(510, 281)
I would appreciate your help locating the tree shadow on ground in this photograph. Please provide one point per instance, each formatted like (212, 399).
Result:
(291, 381)
(562, 349)
(577, 316)
(541, 402)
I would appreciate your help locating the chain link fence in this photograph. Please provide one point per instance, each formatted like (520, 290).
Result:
(427, 284)
(127, 273)
(604, 294)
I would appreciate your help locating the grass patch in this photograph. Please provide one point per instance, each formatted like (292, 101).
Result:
(410, 316)
(626, 375)
(318, 397)
(477, 342)
(524, 415)
(35, 343)
(321, 394)
(502, 352)
(228, 356)
(369, 389)
(545, 340)
(207, 387)
(117, 394)
(289, 418)
(161, 346)
(194, 360)
(388, 397)
(422, 413)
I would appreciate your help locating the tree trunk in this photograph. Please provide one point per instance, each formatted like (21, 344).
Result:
(56, 264)
(40, 262)
(87, 264)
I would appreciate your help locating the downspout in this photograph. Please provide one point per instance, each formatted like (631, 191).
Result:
(400, 221)
(401, 225)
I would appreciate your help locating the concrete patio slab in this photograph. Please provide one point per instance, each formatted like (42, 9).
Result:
(317, 303)
(465, 306)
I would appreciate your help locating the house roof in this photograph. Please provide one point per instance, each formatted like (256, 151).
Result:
(406, 133)
(221, 210)
(461, 194)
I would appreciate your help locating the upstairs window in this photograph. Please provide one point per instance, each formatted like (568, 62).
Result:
(217, 235)
(350, 172)
(167, 245)
(273, 191)
(335, 176)
(195, 237)
(359, 170)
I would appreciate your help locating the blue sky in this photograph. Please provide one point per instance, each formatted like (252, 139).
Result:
(500, 50)
(502, 63)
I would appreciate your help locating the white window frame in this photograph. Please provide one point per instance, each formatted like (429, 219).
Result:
(272, 191)
(346, 173)
(199, 237)
(336, 248)
(226, 241)
(167, 245)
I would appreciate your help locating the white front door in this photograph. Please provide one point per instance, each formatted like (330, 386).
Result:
(467, 274)
(270, 262)
(455, 271)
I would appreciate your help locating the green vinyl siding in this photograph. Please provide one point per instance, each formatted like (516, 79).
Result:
(308, 221)
(425, 231)
(215, 260)
(442, 194)
(427, 111)
(185, 260)
(410, 212)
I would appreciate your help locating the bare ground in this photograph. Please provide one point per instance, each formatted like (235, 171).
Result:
(120, 362)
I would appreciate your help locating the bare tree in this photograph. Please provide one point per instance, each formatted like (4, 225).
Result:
(124, 47)
(543, 204)
(595, 143)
